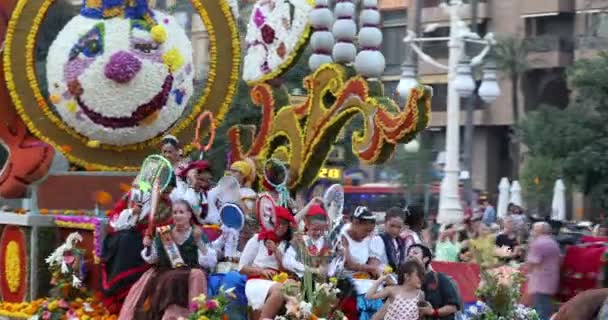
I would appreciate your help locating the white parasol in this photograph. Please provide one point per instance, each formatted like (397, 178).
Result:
(558, 206)
(503, 197)
(516, 194)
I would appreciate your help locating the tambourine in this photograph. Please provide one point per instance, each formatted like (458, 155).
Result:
(154, 167)
(232, 216)
(267, 215)
(276, 175)
(229, 190)
(334, 194)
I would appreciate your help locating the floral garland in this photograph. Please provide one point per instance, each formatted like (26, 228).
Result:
(152, 143)
(79, 309)
(276, 34)
(84, 223)
(13, 264)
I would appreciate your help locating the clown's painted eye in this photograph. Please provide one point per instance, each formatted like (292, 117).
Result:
(146, 47)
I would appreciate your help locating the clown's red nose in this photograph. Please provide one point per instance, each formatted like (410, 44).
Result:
(122, 67)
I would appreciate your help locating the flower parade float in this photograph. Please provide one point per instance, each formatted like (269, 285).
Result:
(120, 75)
(113, 80)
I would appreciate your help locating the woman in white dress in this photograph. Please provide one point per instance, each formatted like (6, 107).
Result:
(261, 259)
(362, 259)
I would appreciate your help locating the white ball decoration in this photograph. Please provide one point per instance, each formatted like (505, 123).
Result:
(370, 37)
(370, 17)
(321, 18)
(322, 40)
(345, 30)
(344, 10)
(316, 60)
(370, 63)
(344, 52)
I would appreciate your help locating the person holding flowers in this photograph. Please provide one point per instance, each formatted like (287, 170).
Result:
(179, 253)
(312, 247)
(389, 244)
(361, 259)
(261, 261)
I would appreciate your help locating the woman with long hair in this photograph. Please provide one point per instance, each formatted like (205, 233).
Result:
(126, 230)
(179, 254)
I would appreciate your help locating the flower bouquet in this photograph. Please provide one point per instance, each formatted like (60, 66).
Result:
(499, 290)
(79, 309)
(322, 304)
(67, 267)
(211, 309)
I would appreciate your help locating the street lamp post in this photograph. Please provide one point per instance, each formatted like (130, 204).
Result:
(460, 84)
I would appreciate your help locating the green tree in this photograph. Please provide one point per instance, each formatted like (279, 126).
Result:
(537, 178)
(511, 56)
(575, 139)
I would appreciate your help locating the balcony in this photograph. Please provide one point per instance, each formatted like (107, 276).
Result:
(550, 52)
(541, 7)
(433, 13)
(590, 5)
(588, 47)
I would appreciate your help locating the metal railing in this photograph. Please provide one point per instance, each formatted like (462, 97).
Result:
(592, 42)
(549, 43)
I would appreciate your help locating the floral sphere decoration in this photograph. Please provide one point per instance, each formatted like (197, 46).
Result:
(370, 61)
(277, 31)
(322, 40)
(123, 73)
(345, 31)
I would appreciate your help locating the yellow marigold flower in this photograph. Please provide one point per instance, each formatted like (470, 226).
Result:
(53, 305)
(388, 269)
(281, 277)
(159, 34)
(173, 59)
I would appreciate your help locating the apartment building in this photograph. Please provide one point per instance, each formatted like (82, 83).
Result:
(557, 31)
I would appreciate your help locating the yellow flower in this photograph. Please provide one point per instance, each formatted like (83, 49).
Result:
(388, 270)
(200, 299)
(12, 265)
(53, 305)
(281, 277)
(159, 34)
(203, 318)
(333, 280)
(93, 144)
(173, 59)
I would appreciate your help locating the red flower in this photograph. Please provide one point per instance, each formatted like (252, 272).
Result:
(267, 34)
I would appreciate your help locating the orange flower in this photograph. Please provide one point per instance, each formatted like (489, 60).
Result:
(125, 187)
(103, 198)
(44, 211)
(66, 148)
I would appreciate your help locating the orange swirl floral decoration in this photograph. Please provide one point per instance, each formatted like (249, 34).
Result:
(308, 130)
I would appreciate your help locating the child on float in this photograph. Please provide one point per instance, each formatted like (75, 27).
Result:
(361, 259)
(126, 229)
(314, 242)
(197, 177)
(402, 299)
(389, 245)
(261, 260)
(179, 254)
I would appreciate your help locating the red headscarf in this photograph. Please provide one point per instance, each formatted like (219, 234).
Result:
(198, 164)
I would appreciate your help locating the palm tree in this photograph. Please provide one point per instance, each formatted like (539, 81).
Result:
(511, 56)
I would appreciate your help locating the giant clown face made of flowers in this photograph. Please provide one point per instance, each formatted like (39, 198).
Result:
(120, 75)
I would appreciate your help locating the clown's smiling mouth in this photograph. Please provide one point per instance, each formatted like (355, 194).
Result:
(137, 117)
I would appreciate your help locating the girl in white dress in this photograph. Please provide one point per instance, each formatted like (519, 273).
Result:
(261, 259)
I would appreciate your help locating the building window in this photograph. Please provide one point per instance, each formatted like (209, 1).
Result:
(596, 24)
(393, 46)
